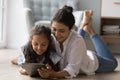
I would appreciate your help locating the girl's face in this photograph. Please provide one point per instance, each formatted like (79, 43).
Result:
(39, 43)
(60, 31)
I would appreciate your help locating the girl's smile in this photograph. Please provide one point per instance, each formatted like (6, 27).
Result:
(39, 43)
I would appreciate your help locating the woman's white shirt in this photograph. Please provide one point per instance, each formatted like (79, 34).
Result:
(75, 58)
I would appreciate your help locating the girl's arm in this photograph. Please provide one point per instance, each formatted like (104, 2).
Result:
(22, 71)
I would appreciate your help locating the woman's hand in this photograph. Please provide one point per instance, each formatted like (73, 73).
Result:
(23, 71)
(46, 72)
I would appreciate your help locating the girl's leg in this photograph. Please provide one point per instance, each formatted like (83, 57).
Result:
(18, 60)
(14, 61)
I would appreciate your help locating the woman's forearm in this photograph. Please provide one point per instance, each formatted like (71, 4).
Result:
(59, 74)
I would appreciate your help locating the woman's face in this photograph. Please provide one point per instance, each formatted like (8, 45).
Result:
(60, 31)
(39, 43)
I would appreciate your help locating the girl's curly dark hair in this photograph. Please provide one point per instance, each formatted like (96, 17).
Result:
(30, 54)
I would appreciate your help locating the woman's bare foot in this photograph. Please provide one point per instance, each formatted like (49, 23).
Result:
(86, 23)
(86, 18)
(89, 28)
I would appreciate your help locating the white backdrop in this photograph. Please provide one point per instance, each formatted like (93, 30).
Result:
(17, 33)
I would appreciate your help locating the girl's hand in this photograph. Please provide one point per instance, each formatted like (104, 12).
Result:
(46, 72)
(48, 67)
(22, 71)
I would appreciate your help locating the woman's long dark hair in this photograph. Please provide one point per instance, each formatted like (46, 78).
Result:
(30, 54)
(65, 16)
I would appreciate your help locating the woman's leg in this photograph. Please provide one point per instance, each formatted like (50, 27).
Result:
(86, 18)
(81, 32)
(107, 61)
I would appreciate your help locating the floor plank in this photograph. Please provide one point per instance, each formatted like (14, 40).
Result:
(9, 71)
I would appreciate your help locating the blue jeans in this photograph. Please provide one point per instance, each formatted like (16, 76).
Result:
(107, 61)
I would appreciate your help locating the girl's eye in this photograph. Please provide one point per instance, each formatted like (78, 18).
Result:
(35, 44)
(44, 44)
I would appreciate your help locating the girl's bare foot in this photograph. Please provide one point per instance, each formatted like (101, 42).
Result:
(86, 17)
(14, 61)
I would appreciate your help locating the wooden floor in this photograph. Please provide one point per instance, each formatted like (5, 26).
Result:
(9, 71)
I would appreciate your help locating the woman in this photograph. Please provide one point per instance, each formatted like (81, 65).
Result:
(74, 56)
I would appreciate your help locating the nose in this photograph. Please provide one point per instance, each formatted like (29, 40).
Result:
(39, 47)
(57, 33)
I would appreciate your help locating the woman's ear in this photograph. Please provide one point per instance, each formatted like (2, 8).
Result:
(30, 39)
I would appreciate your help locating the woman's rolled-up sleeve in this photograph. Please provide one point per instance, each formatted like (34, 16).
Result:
(77, 53)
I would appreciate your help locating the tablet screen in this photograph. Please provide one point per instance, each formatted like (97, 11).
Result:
(31, 68)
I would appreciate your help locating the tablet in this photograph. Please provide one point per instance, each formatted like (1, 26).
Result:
(31, 68)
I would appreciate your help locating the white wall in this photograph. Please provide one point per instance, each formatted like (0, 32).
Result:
(16, 28)
(95, 6)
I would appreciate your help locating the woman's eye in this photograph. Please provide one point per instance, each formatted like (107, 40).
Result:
(61, 31)
(53, 29)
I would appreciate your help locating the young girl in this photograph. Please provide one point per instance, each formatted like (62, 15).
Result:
(75, 58)
(39, 47)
